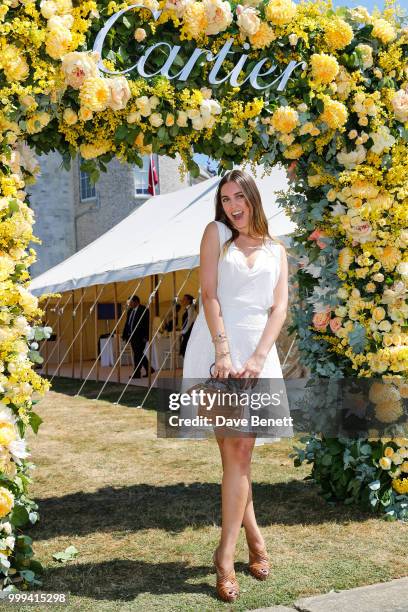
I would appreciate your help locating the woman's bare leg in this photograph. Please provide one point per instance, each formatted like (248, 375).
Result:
(252, 532)
(236, 456)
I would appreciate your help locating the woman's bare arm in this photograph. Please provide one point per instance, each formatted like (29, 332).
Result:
(276, 319)
(209, 255)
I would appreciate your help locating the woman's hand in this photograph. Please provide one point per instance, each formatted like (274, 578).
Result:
(252, 367)
(223, 367)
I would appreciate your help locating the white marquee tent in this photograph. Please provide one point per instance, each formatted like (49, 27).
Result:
(161, 236)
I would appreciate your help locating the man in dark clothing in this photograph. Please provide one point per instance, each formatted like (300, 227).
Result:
(187, 321)
(136, 330)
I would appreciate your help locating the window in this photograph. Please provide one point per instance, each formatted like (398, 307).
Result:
(142, 176)
(87, 190)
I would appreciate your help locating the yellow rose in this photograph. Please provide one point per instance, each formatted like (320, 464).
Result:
(324, 67)
(14, 64)
(401, 485)
(7, 433)
(334, 114)
(94, 94)
(404, 466)
(364, 189)
(338, 34)
(383, 30)
(388, 412)
(6, 502)
(345, 258)
(263, 37)
(385, 463)
(293, 152)
(280, 12)
(397, 459)
(90, 151)
(195, 19)
(57, 42)
(156, 119)
(285, 119)
(85, 114)
(37, 122)
(389, 256)
(378, 314)
(70, 117)
(169, 120)
(388, 452)
(78, 66)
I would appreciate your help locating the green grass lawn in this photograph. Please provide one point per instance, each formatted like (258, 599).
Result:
(144, 515)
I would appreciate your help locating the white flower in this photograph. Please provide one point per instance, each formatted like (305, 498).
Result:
(198, 122)
(182, 119)
(156, 119)
(248, 20)
(219, 16)
(6, 527)
(238, 140)
(206, 92)
(402, 268)
(6, 416)
(10, 542)
(18, 450)
(119, 93)
(383, 139)
(352, 159)
(293, 39)
(366, 54)
(140, 34)
(400, 105)
(337, 209)
(178, 6)
(28, 159)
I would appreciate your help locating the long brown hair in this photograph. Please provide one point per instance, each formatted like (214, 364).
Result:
(258, 223)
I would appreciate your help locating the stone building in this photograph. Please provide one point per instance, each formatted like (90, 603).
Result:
(70, 212)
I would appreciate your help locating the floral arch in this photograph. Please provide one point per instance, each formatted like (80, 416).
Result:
(267, 81)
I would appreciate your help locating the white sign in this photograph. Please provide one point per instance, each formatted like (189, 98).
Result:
(218, 59)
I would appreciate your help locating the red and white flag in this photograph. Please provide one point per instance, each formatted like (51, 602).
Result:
(153, 177)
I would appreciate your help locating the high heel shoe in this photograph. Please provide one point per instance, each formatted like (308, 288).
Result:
(259, 564)
(227, 585)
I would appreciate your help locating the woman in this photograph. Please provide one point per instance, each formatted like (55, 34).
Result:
(244, 294)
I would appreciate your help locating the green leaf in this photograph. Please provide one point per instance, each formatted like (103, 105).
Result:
(19, 517)
(66, 555)
(35, 421)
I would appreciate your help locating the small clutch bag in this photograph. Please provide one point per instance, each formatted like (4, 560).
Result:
(226, 392)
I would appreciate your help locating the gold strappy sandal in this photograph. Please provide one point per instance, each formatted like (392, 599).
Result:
(259, 564)
(227, 585)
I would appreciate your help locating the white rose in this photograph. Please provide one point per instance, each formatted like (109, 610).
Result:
(48, 8)
(119, 93)
(402, 268)
(193, 113)
(143, 104)
(352, 159)
(156, 119)
(238, 140)
(140, 34)
(227, 138)
(178, 6)
(206, 92)
(219, 16)
(293, 39)
(182, 119)
(78, 66)
(198, 122)
(383, 139)
(248, 20)
(133, 117)
(400, 105)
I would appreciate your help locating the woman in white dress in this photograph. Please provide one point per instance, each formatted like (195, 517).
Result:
(244, 295)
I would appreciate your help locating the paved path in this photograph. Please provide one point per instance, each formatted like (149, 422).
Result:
(382, 597)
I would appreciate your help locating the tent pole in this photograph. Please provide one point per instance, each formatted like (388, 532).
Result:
(96, 331)
(173, 330)
(46, 345)
(59, 343)
(81, 338)
(156, 297)
(73, 334)
(115, 292)
(150, 332)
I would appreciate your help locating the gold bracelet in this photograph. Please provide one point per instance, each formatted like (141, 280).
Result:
(219, 338)
(222, 354)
